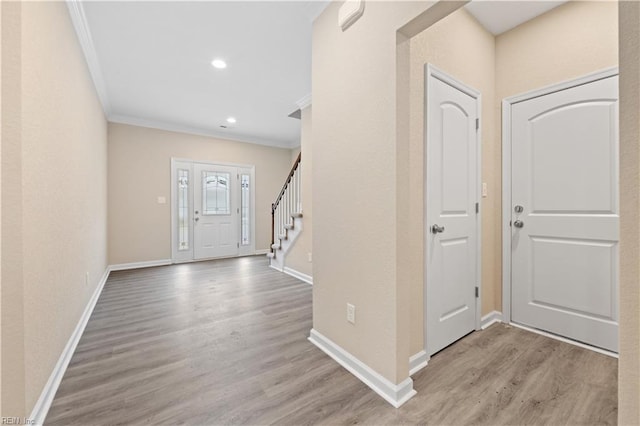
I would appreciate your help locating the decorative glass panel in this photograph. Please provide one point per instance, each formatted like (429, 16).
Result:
(216, 193)
(245, 216)
(183, 209)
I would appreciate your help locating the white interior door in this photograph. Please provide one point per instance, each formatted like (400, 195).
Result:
(565, 213)
(216, 211)
(451, 215)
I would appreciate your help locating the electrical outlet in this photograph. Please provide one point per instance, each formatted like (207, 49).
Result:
(484, 189)
(309, 257)
(86, 278)
(162, 200)
(351, 313)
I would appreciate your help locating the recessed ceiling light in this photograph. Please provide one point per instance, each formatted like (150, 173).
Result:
(231, 120)
(219, 63)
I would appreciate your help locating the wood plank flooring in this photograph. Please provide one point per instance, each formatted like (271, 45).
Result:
(225, 342)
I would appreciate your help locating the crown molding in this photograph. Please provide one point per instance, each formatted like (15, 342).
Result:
(79, 20)
(179, 128)
(304, 102)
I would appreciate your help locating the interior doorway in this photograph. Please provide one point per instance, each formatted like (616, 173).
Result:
(452, 214)
(212, 210)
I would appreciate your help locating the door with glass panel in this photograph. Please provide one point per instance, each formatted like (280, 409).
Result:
(213, 212)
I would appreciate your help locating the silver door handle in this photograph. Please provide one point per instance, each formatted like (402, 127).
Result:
(196, 219)
(518, 224)
(437, 229)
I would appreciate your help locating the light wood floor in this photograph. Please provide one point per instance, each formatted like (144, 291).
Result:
(225, 342)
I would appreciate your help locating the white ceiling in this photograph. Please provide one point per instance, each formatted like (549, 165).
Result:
(153, 61)
(498, 16)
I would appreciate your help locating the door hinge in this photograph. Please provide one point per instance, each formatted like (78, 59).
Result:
(510, 223)
(477, 208)
(239, 247)
(477, 292)
(477, 123)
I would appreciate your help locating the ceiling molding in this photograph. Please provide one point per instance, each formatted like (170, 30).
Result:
(178, 128)
(304, 102)
(79, 20)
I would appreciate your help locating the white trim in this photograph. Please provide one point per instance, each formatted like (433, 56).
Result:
(41, 408)
(304, 102)
(138, 265)
(431, 71)
(81, 26)
(506, 170)
(299, 275)
(179, 128)
(394, 394)
(565, 340)
(490, 319)
(417, 362)
(276, 268)
(262, 251)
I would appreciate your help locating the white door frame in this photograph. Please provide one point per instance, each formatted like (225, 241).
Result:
(431, 72)
(506, 170)
(243, 250)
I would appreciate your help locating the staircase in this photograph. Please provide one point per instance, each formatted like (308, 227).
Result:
(286, 217)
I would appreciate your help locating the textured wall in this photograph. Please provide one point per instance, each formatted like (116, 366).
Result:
(629, 366)
(140, 171)
(358, 150)
(54, 177)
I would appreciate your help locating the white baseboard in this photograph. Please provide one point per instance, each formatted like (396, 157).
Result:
(137, 265)
(276, 268)
(490, 319)
(394, 394)
(40, 410)
(417, 362)
(262, 251)
(299, 275)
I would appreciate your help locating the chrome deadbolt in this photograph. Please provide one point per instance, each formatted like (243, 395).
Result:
(437, 229)
(518, 224)
(518, 209)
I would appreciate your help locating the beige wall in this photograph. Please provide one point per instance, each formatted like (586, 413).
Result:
(298, 256)
(629, 365)
(294, 153)
(54, 176)
(139, 172)
(357, 221)
(451, 45)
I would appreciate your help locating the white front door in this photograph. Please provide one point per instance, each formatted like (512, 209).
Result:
(216, 211)
(565, 213)
(451, 210)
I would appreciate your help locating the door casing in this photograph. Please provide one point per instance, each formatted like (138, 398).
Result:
(506, 176)
(243, 250)
(431, 72)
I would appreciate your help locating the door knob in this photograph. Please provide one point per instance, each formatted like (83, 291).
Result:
(436, 229)
(518, 224)
(196, 219)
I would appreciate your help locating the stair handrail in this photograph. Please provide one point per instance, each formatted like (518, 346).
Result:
(275, 204)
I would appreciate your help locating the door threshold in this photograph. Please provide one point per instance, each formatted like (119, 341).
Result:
(565, 340)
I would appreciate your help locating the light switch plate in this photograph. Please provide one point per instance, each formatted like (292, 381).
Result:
(162, 200)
